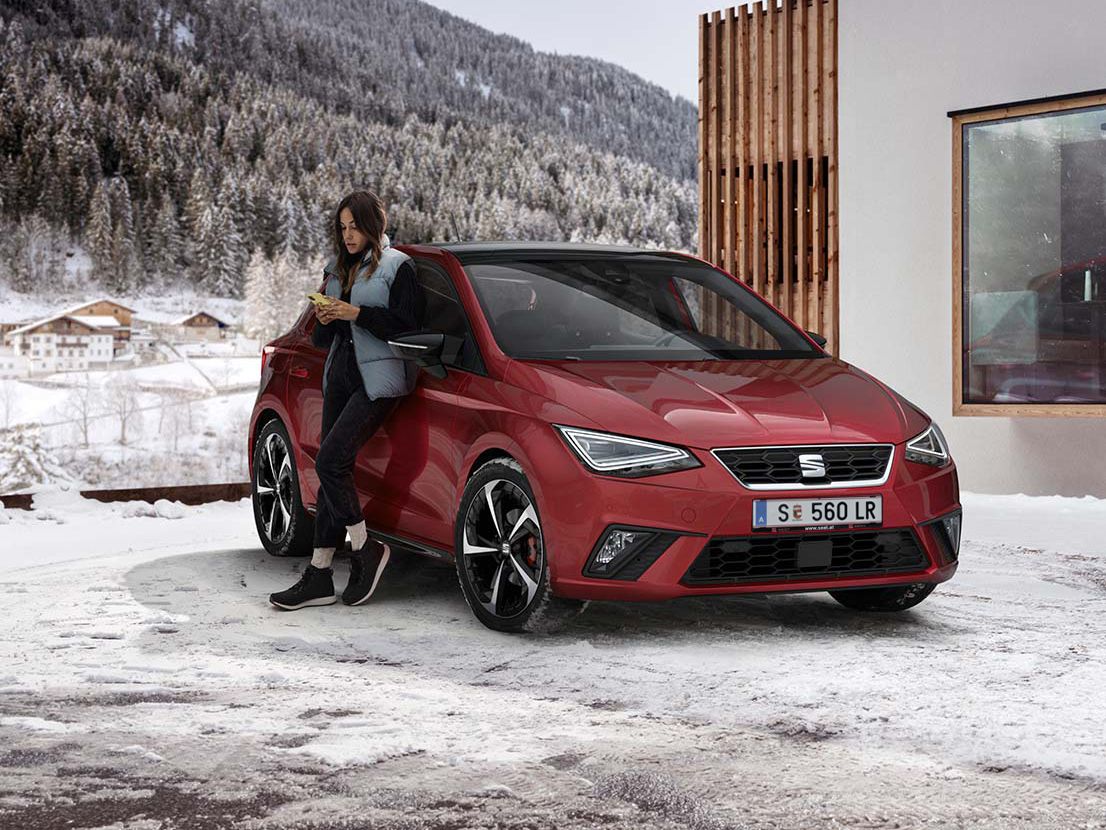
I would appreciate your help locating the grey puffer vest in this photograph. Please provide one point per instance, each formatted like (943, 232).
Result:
(383, 374)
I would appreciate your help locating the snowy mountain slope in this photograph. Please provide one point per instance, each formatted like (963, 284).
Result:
(173, 158)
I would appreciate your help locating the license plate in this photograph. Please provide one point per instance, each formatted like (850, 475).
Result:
(851, 510)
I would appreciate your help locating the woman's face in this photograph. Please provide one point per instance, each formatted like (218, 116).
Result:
(355, 239)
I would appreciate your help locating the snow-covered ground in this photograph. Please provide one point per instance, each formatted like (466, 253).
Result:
(187, 422)
(191, 405)
(145, 682)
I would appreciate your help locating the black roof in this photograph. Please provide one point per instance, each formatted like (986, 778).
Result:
(515, 245)
(503, 249)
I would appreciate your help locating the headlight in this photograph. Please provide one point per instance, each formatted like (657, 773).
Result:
(620, 455)
(928, 448)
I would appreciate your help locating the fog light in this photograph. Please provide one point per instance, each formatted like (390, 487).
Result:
(951, 525)
(626, 552)
(616, 547)
(617, 542)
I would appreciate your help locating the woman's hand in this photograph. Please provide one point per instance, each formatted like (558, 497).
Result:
(336, 310)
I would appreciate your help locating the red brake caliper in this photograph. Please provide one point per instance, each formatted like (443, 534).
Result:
(532, 553)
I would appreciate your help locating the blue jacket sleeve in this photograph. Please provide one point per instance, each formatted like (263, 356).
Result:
(405, 309)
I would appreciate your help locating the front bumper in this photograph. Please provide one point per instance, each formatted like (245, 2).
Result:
(706, 506)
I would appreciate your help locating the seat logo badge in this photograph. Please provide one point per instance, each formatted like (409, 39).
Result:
(812, 466)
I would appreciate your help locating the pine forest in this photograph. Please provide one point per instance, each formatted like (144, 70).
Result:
(182, 141)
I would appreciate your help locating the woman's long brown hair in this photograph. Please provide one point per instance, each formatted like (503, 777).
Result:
(368, 215)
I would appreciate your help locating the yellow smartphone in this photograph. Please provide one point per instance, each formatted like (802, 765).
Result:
(318, 299)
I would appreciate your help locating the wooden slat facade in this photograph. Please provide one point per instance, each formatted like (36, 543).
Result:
(768, 158)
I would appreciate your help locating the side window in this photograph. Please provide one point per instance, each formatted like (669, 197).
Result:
(444, 313)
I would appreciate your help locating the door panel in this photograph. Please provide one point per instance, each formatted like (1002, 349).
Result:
(410, 470)
(406, 472)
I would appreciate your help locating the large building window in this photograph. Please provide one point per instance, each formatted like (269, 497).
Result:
(1029, 235)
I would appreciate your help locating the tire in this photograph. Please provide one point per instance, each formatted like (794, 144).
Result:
(891, 598)
(525, 600)
(283, 523)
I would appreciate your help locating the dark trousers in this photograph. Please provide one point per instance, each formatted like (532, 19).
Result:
(350, 418)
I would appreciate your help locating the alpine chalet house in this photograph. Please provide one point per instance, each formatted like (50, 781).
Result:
(65, 343)
(201, 325)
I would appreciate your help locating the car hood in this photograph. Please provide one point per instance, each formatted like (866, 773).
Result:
(720, 403)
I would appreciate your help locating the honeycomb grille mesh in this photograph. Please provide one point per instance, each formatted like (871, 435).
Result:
(807, 556)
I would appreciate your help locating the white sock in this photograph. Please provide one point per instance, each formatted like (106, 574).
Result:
(357, 535)
(322, 557)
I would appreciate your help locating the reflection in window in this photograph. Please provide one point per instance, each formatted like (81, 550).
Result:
(1034, 273)
(628, 307)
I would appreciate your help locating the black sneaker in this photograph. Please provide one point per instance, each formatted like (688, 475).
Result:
(365, 567)
(316, 587)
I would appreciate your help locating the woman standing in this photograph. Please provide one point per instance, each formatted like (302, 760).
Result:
(374, 296)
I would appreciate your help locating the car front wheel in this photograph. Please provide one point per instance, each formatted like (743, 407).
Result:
(502, 556)
(284, 525)
(890, 598)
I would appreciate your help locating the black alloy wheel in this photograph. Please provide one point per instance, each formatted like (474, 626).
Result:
(283, 524)
(501, 554)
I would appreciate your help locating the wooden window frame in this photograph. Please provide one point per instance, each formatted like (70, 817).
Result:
(960, 121)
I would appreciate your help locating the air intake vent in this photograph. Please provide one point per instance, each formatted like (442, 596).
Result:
(767, 558)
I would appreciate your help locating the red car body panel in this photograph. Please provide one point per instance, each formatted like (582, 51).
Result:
(411, 474)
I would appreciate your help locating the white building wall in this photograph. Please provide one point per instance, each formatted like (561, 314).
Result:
(13, 365)
(903, 66)
(45, 352)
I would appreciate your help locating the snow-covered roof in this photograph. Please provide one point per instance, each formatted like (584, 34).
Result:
(36, 324)
(97, 321)
(90, 321)
(105, 320)
(182, 320)
(74, 308)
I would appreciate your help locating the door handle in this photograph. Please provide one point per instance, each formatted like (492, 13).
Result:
(299, 372)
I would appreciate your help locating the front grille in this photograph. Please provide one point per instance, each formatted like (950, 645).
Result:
(726, 560)
(764, 468)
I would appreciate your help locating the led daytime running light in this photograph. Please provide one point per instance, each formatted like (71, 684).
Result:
(604, 452)
(928, 448)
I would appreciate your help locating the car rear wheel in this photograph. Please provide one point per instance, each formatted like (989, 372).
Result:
(890, 598)
(284, 525)
(502, 555)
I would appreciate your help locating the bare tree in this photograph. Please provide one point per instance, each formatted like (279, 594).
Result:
(176, 413)
(230, 446)
(226, 372)
(7, 402)
(123, 399)
(81, 406)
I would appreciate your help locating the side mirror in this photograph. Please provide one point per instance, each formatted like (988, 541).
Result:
(429, 349)
(817, 338)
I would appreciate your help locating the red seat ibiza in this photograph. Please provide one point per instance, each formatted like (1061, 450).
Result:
(604, 422)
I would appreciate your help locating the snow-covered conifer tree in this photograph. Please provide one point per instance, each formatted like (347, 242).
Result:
(260, 297)
(292, 231)
(25, 461)
(99, 235)
(225, 266)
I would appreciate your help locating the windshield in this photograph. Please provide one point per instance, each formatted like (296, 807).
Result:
(627, 307)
